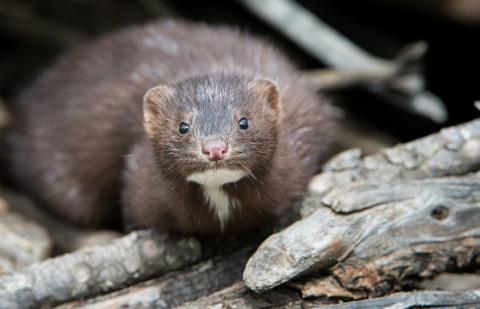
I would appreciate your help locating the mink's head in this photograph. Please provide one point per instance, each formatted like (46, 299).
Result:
(213, 122)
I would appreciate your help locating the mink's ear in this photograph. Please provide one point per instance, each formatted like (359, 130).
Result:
(154, 102)
(266, 90)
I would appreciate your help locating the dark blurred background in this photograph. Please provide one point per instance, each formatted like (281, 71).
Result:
(34, 32)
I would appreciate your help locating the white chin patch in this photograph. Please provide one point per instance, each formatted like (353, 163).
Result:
(212, 181)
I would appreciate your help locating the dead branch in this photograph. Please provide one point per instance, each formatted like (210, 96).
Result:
(92, 271)
(177, 288)
(382, 220)
(399, 81)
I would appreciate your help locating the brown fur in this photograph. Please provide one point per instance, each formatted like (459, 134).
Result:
(79, 145)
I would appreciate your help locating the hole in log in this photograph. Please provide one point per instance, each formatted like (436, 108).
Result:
(440, 213)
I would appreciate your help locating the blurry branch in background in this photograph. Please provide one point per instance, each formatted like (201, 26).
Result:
(22, 23)
(399, 81)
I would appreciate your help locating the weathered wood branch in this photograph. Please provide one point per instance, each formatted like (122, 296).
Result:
(92, 271)
(380, 220)
(175, 288)
(452, 151)
(401, 81)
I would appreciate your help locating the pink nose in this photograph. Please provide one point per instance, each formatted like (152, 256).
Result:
(215, 150)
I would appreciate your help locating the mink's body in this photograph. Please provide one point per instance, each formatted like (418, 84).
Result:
(81, 146)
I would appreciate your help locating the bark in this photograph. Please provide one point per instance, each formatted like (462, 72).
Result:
(92, 271)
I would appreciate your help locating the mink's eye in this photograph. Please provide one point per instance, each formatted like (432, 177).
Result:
(183, 128)
(243, 123)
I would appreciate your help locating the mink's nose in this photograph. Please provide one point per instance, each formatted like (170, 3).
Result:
(215, 150)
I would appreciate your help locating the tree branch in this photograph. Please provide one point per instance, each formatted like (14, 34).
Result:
(399, 81)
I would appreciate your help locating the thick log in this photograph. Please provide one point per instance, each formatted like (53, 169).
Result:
(383, 223)
(95, 270)
(176, 288)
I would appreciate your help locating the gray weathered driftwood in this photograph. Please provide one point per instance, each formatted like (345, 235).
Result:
(337, 51)
(381, 219)
(95, 270)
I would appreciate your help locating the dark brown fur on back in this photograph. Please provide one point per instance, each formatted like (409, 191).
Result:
(79, 145)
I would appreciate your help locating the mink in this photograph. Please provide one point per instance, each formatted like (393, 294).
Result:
(177, 126)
